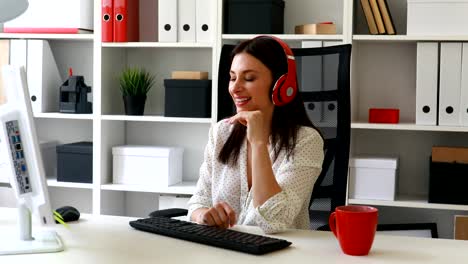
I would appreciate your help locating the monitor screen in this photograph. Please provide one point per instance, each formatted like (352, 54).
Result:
(19, 143)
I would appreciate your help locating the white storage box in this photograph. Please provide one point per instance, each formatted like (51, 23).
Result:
(49, 158)
(172, 201)
(147, 165)
(437, 17)
(53, 16)
(373, 178)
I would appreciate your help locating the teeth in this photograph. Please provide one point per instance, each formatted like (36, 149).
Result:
(242, 100)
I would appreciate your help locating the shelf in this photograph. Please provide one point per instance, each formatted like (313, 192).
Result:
(55, 183)
(180, 188)
(84, 36)
(157, 119)
(156, 45)
(403, 38)
(64, 116)
(408, 126)
(284, 37)
(410, 201)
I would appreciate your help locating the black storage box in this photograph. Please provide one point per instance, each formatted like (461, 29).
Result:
(254, 17)
(448, 183)
(187, 98)
(75, 162)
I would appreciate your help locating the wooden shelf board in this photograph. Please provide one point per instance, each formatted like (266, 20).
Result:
(411, 202)
(284, 36)
(64, 116)
(408, 126)
(187, 188)
(156, 45)
(55, 183)
(84, 36)
(157, 119)
(406, 38)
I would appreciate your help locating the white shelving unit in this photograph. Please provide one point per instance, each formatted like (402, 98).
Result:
(383, 75)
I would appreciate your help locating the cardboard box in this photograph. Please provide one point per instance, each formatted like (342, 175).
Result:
(315, 29)
(147, 165)
(190, 75)
(460, 227)
(373, 178)
(450, 154)
(437, 17)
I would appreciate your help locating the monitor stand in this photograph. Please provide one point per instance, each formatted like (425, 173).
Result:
(23, 242)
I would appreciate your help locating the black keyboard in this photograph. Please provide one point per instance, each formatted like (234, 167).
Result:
(224, 238)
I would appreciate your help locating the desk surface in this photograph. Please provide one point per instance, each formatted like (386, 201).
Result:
(110, 239)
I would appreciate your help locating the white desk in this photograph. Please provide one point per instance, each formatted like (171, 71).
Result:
(109, 239)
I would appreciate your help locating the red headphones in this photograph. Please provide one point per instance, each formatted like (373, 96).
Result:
(285, 88)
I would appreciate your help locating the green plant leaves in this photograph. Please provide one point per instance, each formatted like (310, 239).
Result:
(136, 82)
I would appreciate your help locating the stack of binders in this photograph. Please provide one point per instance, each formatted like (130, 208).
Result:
(120, 20)
(42, 72)
(170, 20)
(319, 73)
(442, 85)
(186, 20)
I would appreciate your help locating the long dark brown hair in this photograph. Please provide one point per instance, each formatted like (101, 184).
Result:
(286, 119)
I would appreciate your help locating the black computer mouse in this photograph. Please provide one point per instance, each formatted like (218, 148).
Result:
(68, 213)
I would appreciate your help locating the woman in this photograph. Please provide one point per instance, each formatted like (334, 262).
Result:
(261, 164)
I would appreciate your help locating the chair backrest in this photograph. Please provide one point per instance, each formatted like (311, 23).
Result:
(324, 81)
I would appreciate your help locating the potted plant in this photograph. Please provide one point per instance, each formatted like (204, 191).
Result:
(135, 83)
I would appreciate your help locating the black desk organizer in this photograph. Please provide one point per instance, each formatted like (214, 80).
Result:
(74, 96)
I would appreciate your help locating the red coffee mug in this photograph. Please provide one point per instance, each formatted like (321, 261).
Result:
(354, 226)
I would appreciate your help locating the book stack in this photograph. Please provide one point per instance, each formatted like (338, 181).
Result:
(378, 17)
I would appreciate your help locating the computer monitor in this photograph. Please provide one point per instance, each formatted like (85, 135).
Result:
(19, 141)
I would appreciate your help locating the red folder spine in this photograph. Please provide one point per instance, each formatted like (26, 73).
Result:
(107, 21)
(126, 24)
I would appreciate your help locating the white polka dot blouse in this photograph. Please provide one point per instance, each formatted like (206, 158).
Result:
(296, 176)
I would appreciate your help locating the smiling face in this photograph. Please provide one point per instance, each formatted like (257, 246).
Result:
(250, 84)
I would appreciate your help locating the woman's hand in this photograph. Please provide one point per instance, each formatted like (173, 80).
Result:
(257, 132)
(220, 215)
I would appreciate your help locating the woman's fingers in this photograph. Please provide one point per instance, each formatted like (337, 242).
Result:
(230, 213)
(220, 215)
(241, 117)
(207, 219)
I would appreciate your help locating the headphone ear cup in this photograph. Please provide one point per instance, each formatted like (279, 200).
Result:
(276, 94)
(288, 91)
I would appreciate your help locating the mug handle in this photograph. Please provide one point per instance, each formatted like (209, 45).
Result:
(332, 223)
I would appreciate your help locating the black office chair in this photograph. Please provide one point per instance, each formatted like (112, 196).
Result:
(324, 81)
(323, 75)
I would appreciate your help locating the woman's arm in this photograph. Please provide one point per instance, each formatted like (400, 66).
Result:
(296, 177)
(264, 184)
(202, 197)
